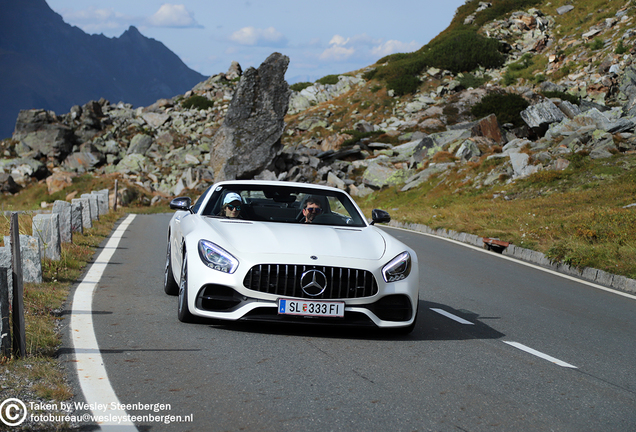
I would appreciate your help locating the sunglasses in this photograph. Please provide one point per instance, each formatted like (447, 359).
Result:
(316, 210)
(234, 207)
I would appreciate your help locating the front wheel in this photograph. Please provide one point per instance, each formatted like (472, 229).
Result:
(183, 312)
(169, 285)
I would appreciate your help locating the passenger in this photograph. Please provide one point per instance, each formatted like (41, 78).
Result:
(311, 209)
(232, 205)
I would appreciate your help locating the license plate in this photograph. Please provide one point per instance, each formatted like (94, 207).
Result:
(311, 308)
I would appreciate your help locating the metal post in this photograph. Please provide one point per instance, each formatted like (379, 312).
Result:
(115, 203)
(19, 341)
(5, 325)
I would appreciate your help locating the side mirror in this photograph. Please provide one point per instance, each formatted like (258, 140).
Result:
(181, 203)
(380, 216)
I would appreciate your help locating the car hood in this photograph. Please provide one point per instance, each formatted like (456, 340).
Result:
(306, 240)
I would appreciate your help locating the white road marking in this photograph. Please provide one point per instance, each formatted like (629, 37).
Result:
(89, 364)
(540, 354)
(527, 264)
(451, 316)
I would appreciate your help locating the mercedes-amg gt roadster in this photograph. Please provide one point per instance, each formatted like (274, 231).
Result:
(291, 252)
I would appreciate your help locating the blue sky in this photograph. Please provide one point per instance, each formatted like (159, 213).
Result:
(320, 37)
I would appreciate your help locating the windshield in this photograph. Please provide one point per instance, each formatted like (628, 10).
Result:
(283, 204)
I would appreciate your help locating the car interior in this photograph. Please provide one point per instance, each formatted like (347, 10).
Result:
(276, 204)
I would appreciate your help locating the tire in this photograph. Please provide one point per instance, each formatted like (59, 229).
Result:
(169, 285)
(183, 312)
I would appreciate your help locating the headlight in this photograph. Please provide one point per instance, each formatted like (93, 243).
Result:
(398, 268)
(216, 257)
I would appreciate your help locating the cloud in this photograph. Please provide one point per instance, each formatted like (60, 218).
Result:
(259, 37)
(338, 49)
(174, 16)
(394, 46)
(99, 20)
(363, 48)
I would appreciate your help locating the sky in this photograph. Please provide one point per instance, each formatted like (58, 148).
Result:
(320, 37)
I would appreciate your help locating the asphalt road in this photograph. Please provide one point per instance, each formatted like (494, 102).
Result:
(498, 346)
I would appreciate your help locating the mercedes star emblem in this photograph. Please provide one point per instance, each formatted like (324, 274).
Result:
(313, 282)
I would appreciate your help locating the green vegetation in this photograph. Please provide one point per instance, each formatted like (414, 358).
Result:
(329, 79)
(464, 51)
(197, 102)
(525, 68)
(469, 80)
(507, 107)
(596, 44)
(620, 48)
(563, 96)
(300, 86)
(460, 51)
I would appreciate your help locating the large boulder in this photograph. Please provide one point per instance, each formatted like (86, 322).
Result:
(7, 184)
(41, 132)
(140, 144)
(489, 127)
(627, 93)
(249, 138)
(540, 116)
(87, 158)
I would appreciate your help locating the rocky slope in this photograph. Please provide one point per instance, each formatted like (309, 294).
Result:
(357, 135)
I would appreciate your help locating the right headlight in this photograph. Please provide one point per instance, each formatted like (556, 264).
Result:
(398, 268)
(216, 257)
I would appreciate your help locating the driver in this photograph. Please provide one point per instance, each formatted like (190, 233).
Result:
(311, 209)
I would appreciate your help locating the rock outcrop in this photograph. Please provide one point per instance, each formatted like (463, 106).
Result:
(250, 136)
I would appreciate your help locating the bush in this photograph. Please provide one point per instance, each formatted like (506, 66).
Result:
(469, 80)
(197, 102)
(300, 86)
(404, 84)
(464, 51)
(370, 74)
(523, 68)
(563, 96)
(458, 51)
(597, 44)
(507, 107)
(620, 48)
(329, 79)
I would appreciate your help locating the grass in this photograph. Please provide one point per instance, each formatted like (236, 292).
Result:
(575, 216)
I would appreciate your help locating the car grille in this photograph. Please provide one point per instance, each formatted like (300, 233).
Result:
(285, 280)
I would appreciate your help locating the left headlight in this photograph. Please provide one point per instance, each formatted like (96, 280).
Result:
(216, 257)
(398, 268)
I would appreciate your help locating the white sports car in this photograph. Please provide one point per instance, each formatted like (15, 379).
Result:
(282, 251)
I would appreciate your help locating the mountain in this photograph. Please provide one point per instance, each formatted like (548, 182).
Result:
(49, 64)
